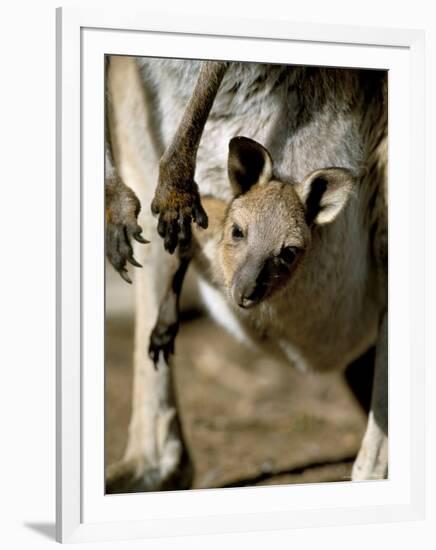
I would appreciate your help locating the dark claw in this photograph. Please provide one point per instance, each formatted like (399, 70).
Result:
(134, 232)
(200, 216)
(170, 246)
(168, 351)
(154, 208)
(170, 240)
(162, 227)
(125, 276)
(132, 260)
(140, 238)
(154, 356)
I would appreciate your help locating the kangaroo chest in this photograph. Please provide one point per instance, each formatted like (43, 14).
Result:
(306, 121)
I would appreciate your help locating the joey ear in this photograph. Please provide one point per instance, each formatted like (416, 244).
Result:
(324, 193)
(248, 163)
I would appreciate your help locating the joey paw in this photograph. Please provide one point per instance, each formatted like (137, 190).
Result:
(162, 341)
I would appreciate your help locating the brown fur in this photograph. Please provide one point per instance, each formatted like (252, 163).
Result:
(177, 200)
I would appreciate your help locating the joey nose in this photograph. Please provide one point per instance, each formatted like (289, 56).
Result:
(249, 284)
(247, 303)
(245, 297)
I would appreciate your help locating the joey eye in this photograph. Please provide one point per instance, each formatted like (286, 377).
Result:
(288, 254)
(237, 233)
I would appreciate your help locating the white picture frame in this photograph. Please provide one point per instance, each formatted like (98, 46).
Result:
(83, 512)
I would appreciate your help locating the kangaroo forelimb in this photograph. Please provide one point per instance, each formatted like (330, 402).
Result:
(121, 205)
(177, 200)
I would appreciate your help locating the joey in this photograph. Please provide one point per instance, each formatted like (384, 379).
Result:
(257, 246)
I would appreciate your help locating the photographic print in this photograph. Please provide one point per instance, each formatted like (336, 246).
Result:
(246, 226)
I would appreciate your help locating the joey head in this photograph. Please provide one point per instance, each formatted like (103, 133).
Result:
(268, 227)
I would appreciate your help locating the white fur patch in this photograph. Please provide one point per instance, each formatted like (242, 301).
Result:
(294, 356)
(221, 312)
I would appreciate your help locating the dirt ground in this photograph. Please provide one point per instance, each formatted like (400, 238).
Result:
(248, 420)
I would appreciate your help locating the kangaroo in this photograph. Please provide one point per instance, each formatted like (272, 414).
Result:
(318, 294)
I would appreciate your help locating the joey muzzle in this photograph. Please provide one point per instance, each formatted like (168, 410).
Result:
(250, 283)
